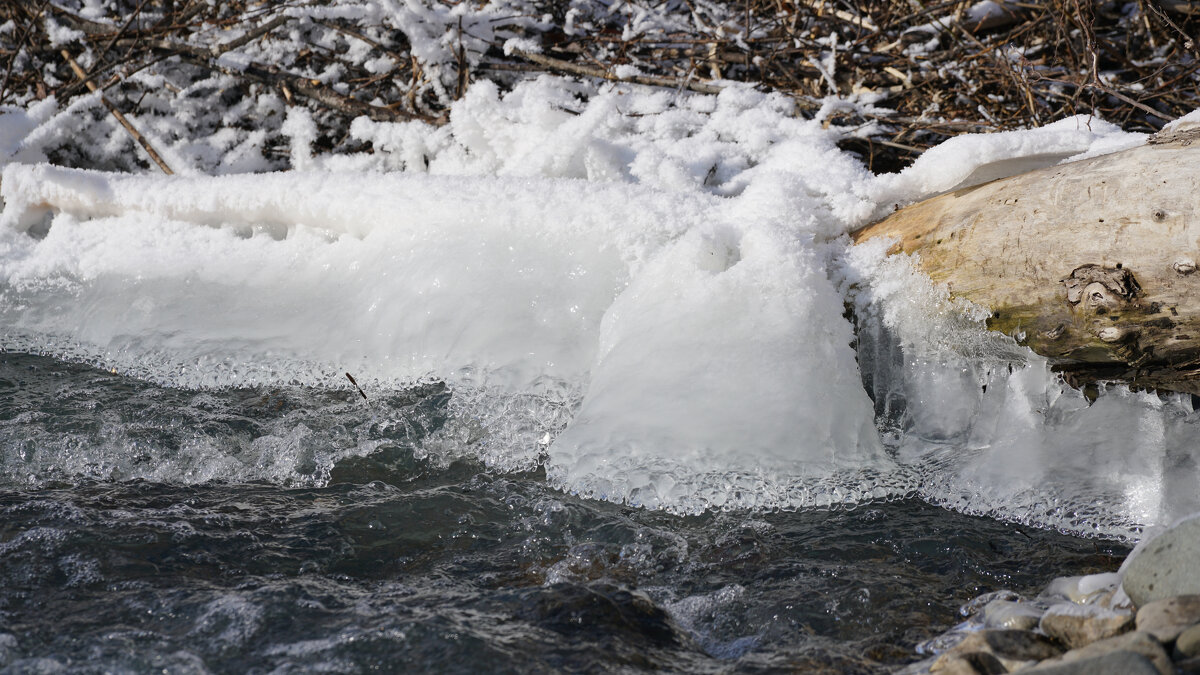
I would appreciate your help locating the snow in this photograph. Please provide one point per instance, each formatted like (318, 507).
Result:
(60, 35)
(972, 159)
(642, 289)
(1189, 120)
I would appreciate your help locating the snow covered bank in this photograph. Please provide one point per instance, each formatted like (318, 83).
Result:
(646, 294)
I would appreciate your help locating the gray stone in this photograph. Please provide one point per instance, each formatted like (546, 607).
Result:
(1137, 642)
(1014, 648)
(1080, 625)
(1189, 666)
(1166, 619)
(1167, 566)
(1011, 615)
(1187, 644)
(1119, 662)
(971, 663)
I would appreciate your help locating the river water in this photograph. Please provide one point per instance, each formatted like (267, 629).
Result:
(399, 561)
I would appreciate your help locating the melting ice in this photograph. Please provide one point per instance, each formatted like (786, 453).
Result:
(651, 307)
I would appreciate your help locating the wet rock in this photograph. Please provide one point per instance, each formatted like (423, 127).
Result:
(918, 668)
(971, 663)
(978, 604)
(1119, 662)
(1013, 648)
(1080, 625)
(1166, 619)
(1167, 566)
(1137, 642)
(633, 619)
(1187, 645)
(1011, 615)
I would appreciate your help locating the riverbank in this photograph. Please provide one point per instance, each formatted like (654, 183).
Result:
(892, 79)
(1142, 619)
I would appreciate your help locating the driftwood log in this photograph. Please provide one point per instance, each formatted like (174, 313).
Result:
(1092, 264)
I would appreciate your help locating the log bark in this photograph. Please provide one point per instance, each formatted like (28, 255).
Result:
(1092, 264)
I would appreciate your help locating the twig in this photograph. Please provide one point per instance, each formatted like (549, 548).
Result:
(600, 73)
(112, 108)
(360, 391)
(863, 22)
(899, 146)
(251, 35)
(1189, 43)
(1097, 84)
(309, 88)
(108, 45)
(1084, 19)
(17, 49)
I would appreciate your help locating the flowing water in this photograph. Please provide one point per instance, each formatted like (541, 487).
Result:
(397, 560)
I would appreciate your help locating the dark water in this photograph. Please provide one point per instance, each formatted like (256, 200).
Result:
(396, 561)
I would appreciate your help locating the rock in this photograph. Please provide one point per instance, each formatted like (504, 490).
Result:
(1014, 648)
(981, 602)
(1167, 566)
(1011, 615)
(1137, 642)
(1119, 662)
(1080, 625)
(1190, 666)
(1187, 645)
(1166, 619)
(1115, 599)
(971, 663)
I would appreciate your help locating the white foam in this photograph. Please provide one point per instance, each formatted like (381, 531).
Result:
(398, 277)
(716, 363)
(725, 357)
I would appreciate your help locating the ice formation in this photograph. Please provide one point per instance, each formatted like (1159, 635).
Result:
(651, 305)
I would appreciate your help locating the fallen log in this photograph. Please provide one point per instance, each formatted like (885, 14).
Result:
(1092, 264)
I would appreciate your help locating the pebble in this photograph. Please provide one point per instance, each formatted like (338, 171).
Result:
(1013, 648)
(1166, 619)
(1189, 666)
(1116, 663)
(979, 604)
(1187, 644)
(1137, 642)
(1080, 625)
(1169, 565)
(973, 663)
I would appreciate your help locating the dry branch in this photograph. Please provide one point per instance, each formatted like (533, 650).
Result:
(558, 65)
(116, 112)
(251, 36)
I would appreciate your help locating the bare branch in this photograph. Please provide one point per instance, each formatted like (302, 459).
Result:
(120, 117)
